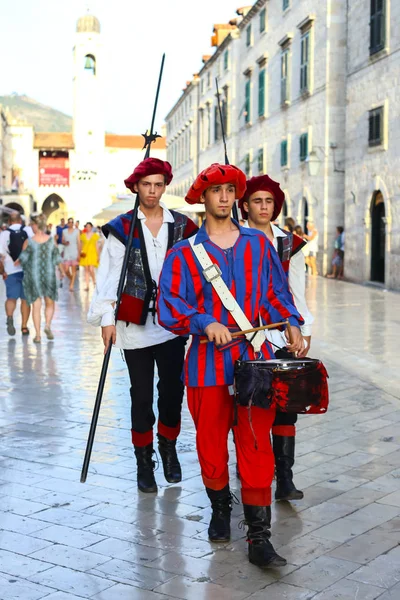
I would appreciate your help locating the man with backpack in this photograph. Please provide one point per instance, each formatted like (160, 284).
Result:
(11, 242)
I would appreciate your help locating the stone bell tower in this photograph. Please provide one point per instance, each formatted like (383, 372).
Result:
(88, 115)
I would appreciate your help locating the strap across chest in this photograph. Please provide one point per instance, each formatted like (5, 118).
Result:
(212, 274)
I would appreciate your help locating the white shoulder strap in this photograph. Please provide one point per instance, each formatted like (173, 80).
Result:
(212, 274)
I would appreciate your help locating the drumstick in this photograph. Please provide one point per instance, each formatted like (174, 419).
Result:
(289, 331)
(255, 329)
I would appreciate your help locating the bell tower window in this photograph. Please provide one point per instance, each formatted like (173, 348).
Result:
(90, 64)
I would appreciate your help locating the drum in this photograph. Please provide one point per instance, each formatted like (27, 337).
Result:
(298, 385)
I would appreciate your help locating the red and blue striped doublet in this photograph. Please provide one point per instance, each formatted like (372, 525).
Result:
(187, 303)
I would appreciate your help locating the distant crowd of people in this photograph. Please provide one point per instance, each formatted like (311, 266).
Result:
(31, 255)
(310, 251)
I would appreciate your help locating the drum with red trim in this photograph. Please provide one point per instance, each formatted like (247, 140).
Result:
(298, 385)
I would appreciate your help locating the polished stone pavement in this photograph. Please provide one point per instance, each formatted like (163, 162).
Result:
(63, 540)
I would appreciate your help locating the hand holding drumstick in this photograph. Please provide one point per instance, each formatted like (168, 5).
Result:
(221, 335)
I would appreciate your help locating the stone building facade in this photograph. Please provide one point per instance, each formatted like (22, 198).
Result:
(296, 109)
(372, 194)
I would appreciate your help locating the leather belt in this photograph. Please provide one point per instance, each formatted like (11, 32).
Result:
(212, 274)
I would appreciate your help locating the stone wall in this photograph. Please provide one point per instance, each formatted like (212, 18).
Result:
(372, 81)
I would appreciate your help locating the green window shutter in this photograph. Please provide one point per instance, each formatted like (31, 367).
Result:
(284, 153)
(377, 25)
(260, 160)
(304, 62)
(226, 60)
(247, 101)
(248, 36)
(261, 93)
(303, 146)
(247, 165)
(262, 20)
(284, 76)
(216, 124)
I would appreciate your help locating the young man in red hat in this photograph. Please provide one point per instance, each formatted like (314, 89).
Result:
(135, 329)
(260, 206)
(242, 283)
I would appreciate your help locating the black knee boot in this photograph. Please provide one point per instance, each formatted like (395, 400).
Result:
(261, 551)
(284, 461)
(172, 468)
(220, 524)
(145, 468)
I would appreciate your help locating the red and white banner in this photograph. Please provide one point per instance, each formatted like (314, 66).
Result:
(53, 170)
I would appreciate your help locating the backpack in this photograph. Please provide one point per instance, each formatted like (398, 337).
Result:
(17, 239)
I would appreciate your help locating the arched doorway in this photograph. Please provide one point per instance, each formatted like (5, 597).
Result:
(378, 237)
(55, 206)
(304, 214)
(15, 206)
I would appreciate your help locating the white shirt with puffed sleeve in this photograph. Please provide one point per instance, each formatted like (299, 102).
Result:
(101, 310)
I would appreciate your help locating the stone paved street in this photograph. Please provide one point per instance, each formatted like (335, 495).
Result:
(62, 540)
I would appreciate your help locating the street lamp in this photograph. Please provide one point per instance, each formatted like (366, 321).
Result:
(313, 163)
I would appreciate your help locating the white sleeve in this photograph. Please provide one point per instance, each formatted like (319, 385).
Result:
(29, 231)
(101, 310)
(297, 285)
(3, 246)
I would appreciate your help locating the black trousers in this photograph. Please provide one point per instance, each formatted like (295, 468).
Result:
(169, 358)
(284, 419)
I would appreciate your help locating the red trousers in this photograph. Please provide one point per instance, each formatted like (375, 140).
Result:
(212, 410)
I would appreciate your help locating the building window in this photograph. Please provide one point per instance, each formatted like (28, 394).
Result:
(247, 102)
(303, 146)
(202, 86)
(248, 36)
(217, 124)
(305, 62)
(262, 20)
(377, 26)
(285, 60)
(260, 160)
(209, 80)
(208, 124)
(224, 109)
(285, 4)
(201, 118)
(261, 93)
(226, 60)
(375, 127)
(90, 64)
(247, 165)
(284, 153)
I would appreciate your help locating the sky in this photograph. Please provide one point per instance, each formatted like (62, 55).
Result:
(37, 36)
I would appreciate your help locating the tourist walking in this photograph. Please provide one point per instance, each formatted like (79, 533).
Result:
(12, 240)
(338, 255)
(39, 259)
(90, 254)
(72, 252)
(312, 239)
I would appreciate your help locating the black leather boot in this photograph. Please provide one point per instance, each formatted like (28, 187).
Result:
(261, 551)
(284, 461)
(145, 469)
(220, 525)
(172, 468)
